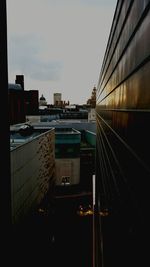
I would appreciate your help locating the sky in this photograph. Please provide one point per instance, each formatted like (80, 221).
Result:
(58, 45)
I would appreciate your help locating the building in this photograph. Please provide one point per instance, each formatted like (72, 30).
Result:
(67, 153)
(92, 100)
(32, 153)
(57, 99)
(58, 102)
(21, 103)
(91, 104)
(87, 159)
(42, 101)
(79, 125)
(20, 80)
(85, 134)
(16, 104)
(91, 114)
(123, 140)
(31, 102)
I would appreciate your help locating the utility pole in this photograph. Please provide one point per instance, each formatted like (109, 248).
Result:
(5, 177)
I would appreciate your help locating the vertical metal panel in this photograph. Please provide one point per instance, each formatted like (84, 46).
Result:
(123, 143)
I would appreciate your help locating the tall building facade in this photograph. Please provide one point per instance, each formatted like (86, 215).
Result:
(57, 99)
(123, 140)
(67, 153)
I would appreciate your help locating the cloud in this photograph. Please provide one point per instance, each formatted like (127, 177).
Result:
(79, 2)
(47, 71)
(58, 44)
(24, 54)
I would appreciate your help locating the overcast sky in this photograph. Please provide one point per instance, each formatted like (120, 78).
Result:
(58, 45)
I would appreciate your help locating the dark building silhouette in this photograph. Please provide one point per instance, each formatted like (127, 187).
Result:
(31, 102)
(16, 100)
(20, 80)
(92, 100)
(21, 103)
(16, 104)
(123, 140)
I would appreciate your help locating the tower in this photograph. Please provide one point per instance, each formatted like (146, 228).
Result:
(57, 99)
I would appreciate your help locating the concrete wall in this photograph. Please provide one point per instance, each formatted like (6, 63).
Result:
(68, 167)
(32, 172)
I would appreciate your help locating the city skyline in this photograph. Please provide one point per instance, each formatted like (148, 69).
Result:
(59, 45)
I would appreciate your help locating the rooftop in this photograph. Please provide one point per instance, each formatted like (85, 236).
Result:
(14, 86)
(21, 134)
(66, 131)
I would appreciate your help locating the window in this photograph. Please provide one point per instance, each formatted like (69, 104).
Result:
(65, 180)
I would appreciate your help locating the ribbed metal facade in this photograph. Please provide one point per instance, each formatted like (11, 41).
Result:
(123, 139)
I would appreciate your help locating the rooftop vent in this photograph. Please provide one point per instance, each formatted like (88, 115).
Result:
(26, 130)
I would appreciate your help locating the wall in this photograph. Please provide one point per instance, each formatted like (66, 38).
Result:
(123, 137)
(32, 119)
(91, 115)
(90, 138)
(32, 173)
(68, 167)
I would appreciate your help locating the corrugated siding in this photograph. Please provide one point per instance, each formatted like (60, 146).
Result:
(123, 134)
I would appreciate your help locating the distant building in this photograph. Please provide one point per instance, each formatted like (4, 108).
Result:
(16, 103)
(67, 152)
(42, 101)
(58, 102)
(92, 101)
(20, 80)
(31, 102)
(57, 99)
(91, 114)
(21, 103)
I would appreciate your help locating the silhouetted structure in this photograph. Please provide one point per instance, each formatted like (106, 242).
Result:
(16, 104)
(20, 80)
(31, 102)
(92, 100)
(21, 102)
